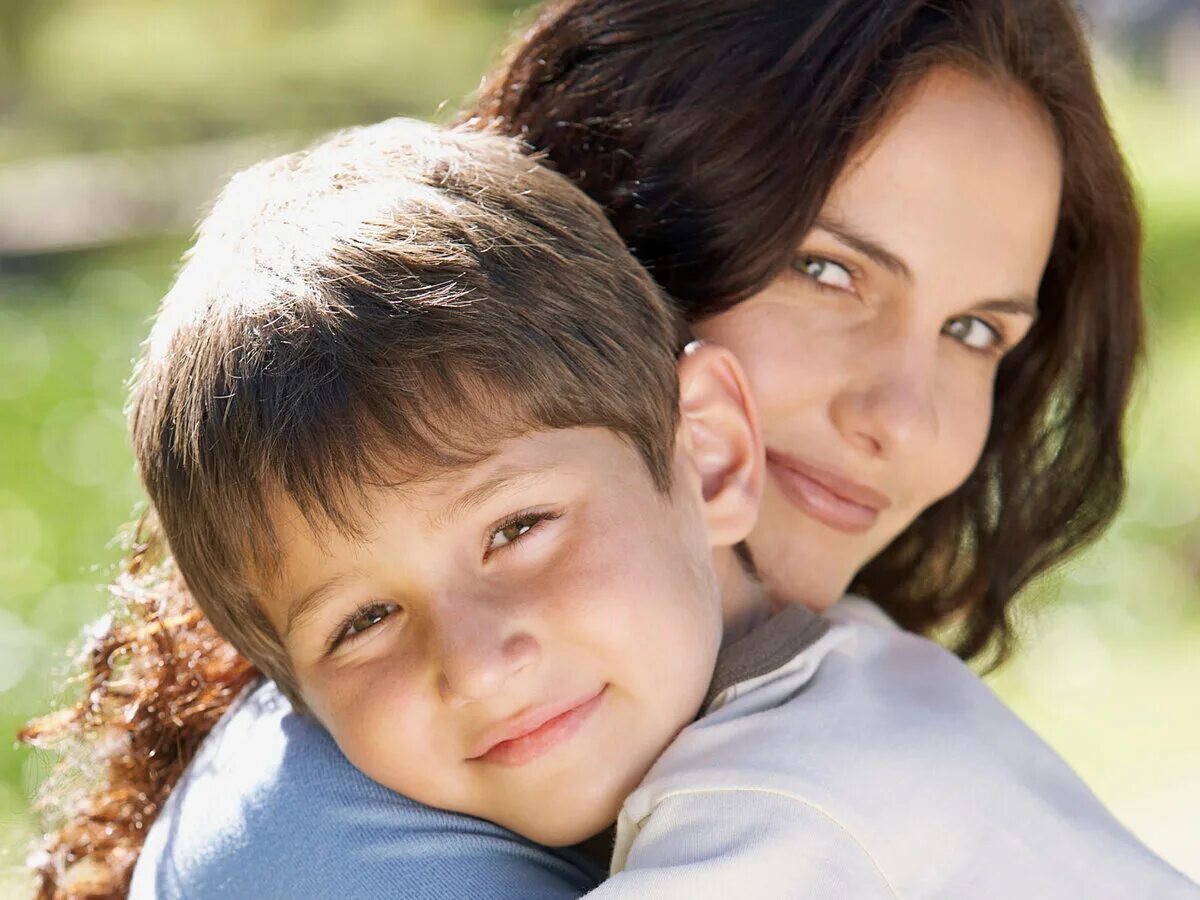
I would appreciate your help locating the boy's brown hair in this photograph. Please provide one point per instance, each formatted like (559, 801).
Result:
(388, 305)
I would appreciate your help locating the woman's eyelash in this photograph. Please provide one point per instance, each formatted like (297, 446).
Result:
(817, 269)
(820, 271)
(998, 345)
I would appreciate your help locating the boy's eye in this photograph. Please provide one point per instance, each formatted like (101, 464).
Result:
(973, 332)
(510, 533)
(513, 529)
(368, 616)
(361, 620)
(825, 272)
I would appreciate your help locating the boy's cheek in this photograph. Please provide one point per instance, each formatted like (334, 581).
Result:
(392, 741)
(373, 709)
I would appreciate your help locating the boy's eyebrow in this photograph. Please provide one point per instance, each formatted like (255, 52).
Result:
(478, 494)
(304, 608)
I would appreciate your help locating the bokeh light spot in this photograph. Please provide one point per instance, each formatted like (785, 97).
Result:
(16, 650)
(20, 533)
(24, 354)
(63, 606)
(85, 445)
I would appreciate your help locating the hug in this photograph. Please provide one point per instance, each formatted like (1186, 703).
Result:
(587, 512)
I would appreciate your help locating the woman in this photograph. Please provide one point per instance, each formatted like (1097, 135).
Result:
(895, 213)
(720, 135)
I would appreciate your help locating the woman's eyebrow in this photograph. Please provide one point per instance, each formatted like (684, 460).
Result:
(1018, 306)
(865, 245)
(873, 250)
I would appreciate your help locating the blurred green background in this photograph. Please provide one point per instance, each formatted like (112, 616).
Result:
(119, 117)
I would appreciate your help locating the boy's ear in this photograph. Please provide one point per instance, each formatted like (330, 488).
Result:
(719, 436)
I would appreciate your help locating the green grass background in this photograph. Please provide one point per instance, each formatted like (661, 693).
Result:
(1109, 671)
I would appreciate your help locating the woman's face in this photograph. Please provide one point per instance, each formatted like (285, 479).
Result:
(873, 357)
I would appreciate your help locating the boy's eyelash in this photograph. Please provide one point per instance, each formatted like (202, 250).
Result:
(531, 517)
(341, 632)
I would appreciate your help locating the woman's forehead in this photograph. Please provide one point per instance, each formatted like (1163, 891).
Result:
(967, 173)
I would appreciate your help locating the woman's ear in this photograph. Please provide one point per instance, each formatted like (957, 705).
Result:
(719, 437)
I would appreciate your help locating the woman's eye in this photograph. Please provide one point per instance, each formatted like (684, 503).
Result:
(362, 620)
(972, 332)
(825, 272)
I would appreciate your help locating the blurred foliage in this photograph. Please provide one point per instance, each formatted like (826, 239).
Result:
(108, 74)
(1108, 671)
(1111, 658)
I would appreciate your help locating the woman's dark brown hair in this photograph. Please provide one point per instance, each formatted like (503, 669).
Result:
(712, 131)
(156, 678)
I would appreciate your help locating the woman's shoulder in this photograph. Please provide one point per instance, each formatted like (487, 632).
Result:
(271, 808)
(897, 743)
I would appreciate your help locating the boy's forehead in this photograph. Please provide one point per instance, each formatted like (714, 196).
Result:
(450, 494)
(455, 495)
(437, 500)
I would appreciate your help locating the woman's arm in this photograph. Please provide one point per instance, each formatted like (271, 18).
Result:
(271, 808)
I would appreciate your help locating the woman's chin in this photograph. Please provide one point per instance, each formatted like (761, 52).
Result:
(802, 574)
(807, 588)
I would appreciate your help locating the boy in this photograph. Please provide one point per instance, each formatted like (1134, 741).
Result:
(412, 422)
(409, 420)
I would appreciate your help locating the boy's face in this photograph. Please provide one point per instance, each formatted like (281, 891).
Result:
(518, 640)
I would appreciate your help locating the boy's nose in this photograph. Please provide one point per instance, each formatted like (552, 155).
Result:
(479, 653)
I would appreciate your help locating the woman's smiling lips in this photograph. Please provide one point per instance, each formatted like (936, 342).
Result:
(826, 496)
(531, 734)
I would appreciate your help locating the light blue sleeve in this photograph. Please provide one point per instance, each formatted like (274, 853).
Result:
(740, 842)
(270, 808)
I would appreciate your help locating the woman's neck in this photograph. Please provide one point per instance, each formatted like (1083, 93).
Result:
(744, 601)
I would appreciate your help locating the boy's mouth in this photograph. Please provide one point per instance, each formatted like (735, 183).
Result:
(530, 734)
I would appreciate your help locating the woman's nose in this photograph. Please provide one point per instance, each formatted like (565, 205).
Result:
(888, 405)
(480, 651)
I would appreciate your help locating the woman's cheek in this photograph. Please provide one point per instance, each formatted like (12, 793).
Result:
(787, 368)
(964, 430)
